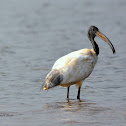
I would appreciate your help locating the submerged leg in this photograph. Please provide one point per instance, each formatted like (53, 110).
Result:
(68, 91)
(78, 95)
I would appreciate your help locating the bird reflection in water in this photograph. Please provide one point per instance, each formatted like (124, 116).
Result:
(74, 112)
(70, 105)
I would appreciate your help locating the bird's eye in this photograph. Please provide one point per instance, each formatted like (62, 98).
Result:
(94, 29)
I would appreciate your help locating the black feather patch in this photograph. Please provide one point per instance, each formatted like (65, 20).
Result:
(53, 79)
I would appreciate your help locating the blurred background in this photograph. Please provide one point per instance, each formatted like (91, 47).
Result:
(33, 34)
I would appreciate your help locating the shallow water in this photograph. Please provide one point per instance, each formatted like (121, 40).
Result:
(33, 34)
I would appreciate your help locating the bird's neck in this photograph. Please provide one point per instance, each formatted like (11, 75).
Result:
(95, 46)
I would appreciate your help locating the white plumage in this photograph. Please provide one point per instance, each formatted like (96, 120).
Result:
(76, 66)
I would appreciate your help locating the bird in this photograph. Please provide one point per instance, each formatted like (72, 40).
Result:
(76, 66)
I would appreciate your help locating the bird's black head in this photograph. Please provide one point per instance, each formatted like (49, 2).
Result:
(92, 30)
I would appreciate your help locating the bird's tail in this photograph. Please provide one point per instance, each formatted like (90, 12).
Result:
(53, 79)
(47, 85)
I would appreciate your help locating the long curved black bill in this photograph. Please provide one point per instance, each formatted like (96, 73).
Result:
(103, 37)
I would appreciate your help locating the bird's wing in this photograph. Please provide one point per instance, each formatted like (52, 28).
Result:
(75, 66)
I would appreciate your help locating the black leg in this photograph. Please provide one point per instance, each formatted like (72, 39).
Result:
(78, 95)
(68, 91)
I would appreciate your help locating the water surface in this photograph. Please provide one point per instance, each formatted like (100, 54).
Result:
(33, 34)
